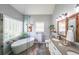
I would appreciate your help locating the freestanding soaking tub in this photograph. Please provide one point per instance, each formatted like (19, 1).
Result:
(22, 45)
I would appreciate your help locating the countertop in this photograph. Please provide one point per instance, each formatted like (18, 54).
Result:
(63, 49)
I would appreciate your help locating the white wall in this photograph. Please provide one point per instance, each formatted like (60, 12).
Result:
(10, 11)
(60, 9)
(42, 18)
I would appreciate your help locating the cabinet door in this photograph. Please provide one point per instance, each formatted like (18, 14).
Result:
(77, 28)
(53, 49)
(57, 52)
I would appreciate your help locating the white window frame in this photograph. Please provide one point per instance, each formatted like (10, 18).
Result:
(39, 26)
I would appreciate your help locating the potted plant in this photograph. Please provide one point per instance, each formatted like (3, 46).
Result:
(52, 28)
(24, 35)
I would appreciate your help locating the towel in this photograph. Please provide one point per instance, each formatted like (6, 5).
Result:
(70, 35)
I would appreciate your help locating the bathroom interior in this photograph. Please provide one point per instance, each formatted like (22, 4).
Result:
(39, 29)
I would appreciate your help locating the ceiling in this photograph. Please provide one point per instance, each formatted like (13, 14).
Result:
(34, 9)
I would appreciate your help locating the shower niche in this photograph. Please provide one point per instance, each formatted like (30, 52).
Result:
(29, 27)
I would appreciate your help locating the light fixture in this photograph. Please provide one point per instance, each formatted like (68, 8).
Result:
(77, 8)
(77, 5)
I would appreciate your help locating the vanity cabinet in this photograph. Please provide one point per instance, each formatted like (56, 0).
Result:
(53, 49)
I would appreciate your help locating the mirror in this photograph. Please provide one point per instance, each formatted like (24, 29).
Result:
(61, 25)
(72, 25)
(74, 21)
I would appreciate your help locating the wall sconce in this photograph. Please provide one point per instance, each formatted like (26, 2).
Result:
(65, 14)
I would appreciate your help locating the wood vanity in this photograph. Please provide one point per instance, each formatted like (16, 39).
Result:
(53, 49)
(58, 47)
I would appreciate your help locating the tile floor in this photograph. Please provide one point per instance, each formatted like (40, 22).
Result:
(36, 49)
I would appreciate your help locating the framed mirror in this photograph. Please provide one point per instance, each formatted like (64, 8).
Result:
(77, 28)
(62, 27)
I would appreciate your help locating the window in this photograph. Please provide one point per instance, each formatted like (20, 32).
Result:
(12, 28)
(39, 26)
(62, 27)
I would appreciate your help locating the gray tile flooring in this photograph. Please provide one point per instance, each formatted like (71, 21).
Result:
(36, 49)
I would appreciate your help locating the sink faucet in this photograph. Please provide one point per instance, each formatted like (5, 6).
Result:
(67, 43)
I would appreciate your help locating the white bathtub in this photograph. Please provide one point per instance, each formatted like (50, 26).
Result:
(22, 45)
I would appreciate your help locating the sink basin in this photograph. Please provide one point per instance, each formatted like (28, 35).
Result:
(55, 39)
(72, 53)
(60, 44)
